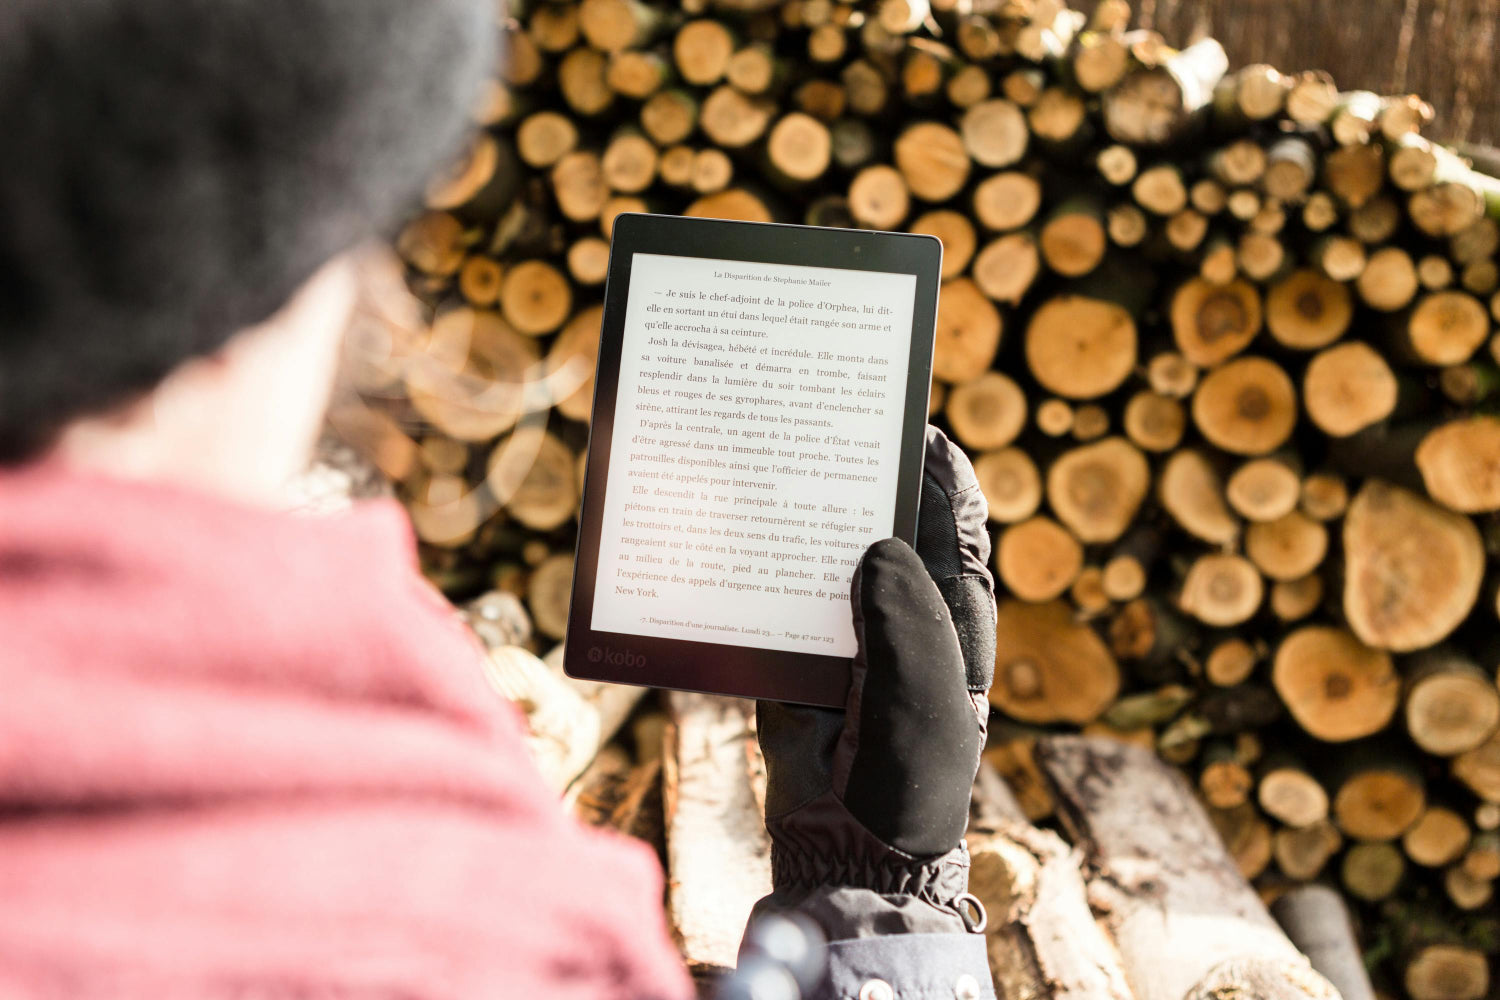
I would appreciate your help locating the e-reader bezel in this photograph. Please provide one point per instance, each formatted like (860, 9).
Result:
(721, 668)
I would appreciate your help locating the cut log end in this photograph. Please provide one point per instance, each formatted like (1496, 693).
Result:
(1221, 590)
(1247, 406)
(1050, 668)
(1413, 570)
(1080, 348)
(1096, 489)
(1336, 687)
(1212, 323)
(1038, 559)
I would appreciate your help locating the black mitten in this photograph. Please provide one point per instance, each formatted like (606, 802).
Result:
(876, 797)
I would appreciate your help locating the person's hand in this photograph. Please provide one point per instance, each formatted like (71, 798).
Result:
(874, 799)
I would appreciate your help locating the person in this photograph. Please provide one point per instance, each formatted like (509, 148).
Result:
(249, 754)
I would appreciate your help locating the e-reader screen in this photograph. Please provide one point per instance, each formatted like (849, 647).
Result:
(759, 416)
(755, 452)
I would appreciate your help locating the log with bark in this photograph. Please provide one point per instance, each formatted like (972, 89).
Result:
(1185, 922)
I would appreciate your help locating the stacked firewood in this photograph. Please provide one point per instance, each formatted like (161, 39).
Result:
(1220, 342)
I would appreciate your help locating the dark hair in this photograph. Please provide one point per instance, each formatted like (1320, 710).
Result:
(173, 170)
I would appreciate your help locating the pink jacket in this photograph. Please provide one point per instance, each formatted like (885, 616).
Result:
(245, 754)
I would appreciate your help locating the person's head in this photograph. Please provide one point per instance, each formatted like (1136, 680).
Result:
(181, 184)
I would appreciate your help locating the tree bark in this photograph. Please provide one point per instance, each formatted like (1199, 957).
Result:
(1185, 921)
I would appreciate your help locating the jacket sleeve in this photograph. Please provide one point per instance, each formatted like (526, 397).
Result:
(881, 947)
(892, 947)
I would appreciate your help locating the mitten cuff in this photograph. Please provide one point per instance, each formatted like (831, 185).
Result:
(821, 844)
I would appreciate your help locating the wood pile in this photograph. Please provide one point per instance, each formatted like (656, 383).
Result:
(1221, 343)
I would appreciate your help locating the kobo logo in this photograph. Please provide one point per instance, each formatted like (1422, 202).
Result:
(616, 657)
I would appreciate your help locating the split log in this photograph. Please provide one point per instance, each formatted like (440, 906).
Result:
(1087, 592)
(1116, 164)
(878, 197)
(479, 281)
(1187, 927)
(545, 496)
(1247, 837)
(578, 184)
(548, 593)
(1011, 753)
(1324, 497)
(1389, 279)
(1171, 374)
(1073, 238)
(718, 851)
(1090, 422)
(1160, 189)
(1339, 258)
(1295, 599)
(1445, 328)
(1225, 783)
(1260, 255)
(1465, 891)
(1127, 225)
(1291, 165)
(1042, 938)
(1151, 636)
(471, 384)
(1054, 417)
(1375, 222)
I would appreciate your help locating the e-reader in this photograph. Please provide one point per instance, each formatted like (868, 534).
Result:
(759, 411)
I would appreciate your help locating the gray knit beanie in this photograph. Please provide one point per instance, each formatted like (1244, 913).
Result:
(172, 170)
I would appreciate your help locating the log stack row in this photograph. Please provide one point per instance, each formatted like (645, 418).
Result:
(1221, 343)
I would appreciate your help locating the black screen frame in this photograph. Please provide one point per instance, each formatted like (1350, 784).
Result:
(720, 668)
